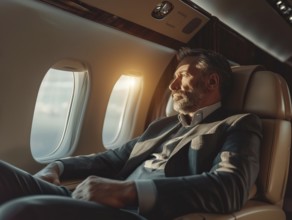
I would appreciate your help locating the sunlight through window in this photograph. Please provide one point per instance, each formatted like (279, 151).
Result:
(123, 100)
(56, 109)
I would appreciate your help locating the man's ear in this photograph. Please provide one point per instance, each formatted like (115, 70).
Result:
(213, 81)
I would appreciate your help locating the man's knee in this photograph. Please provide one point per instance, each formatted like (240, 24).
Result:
(36, 207)
(16, 210)
(48, 207)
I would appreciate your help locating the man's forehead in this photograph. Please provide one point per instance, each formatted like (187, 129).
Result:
(187, 63)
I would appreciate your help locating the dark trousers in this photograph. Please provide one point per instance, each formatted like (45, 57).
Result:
(23, 197)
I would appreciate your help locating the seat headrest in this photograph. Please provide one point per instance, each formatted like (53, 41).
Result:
(259, 91)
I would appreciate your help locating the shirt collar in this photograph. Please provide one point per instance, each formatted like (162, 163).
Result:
(199, 115)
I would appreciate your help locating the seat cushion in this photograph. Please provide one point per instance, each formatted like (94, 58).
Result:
(253, 210)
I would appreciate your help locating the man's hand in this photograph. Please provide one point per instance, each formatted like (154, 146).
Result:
(117, 194)
(50, 174)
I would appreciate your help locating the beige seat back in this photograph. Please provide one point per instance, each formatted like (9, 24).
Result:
(266, 94)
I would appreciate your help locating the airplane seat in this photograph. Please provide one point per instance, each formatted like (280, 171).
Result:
(266, 94)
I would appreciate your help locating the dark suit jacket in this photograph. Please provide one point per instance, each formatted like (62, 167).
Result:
(210, 170)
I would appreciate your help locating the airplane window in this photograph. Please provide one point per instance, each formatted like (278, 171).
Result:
(121, 111)
(52, 134)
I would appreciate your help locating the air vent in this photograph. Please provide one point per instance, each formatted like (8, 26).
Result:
(171, 18)
(192, 26)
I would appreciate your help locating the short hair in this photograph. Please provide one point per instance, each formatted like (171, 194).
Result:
(210, 61)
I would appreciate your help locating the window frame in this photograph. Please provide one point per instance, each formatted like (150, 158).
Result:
(72, 128)
(129, 114)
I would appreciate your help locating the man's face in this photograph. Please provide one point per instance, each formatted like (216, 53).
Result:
(187, 87)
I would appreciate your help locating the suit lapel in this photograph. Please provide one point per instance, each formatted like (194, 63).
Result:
(203, 128)
(144, 146)
(143, 149)
(196, 131)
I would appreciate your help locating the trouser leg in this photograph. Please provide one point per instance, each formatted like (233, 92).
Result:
(16, 183)
(61, 208)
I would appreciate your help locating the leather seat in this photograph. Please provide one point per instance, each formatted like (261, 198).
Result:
(266, 94)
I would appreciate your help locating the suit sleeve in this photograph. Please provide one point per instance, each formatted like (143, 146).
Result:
(106, 164)
(109, 163)
(226, 186)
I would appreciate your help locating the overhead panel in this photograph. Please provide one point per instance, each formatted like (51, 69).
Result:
(181, 23)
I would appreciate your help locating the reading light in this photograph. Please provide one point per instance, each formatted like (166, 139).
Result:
(162, 9)
(284, 8)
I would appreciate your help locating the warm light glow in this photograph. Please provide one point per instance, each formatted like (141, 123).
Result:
(127, 81)
(132, 81)
(121, 108)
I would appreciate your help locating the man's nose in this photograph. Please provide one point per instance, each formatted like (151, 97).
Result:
(175, 84)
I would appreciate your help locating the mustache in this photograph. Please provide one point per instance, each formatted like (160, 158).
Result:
(178, 93)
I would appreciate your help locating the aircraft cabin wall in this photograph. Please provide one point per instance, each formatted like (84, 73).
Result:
(34, 37)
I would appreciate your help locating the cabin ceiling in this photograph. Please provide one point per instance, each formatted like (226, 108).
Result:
(257, 21)
(181, 23)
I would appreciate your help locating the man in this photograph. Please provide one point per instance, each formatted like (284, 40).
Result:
(201, 160)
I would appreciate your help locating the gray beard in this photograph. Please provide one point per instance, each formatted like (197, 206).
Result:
(188, 103)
